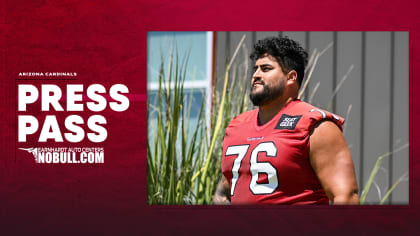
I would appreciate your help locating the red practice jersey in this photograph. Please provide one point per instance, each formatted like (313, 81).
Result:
(269, 164)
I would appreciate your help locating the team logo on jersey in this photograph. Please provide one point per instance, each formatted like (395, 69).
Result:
(288, 122)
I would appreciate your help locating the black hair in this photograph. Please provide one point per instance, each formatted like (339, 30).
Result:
(288, 53)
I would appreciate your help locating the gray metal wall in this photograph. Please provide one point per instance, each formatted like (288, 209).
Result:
(376, 89)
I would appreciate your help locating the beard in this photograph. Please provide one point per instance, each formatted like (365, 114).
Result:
(267, 95)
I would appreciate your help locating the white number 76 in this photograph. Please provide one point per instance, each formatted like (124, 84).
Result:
(255, 167)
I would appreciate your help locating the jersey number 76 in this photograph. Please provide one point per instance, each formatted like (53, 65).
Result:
(255, 167)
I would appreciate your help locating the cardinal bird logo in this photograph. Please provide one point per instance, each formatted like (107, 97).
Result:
(33, 151)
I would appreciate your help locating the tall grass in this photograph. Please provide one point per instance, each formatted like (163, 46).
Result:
(185, 168)
(373, 174)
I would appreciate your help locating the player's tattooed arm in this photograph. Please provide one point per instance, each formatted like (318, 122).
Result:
(332, 162)
(222, 195)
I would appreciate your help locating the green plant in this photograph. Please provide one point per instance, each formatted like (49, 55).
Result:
(182, 169)
(373, 174)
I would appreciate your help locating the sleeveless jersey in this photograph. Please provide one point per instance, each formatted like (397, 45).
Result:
(269, 164)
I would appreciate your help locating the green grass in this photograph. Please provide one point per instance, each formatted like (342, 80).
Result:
(373, 174)
(185, 168)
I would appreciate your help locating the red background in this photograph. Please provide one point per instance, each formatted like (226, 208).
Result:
(105, 42)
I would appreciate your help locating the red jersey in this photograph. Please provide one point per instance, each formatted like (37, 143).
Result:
(269, 164)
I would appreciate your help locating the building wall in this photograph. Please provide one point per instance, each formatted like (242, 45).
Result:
(376, 90)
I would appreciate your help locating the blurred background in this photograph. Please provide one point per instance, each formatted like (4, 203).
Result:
(361, 76)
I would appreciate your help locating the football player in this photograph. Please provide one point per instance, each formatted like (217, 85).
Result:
(286, 151)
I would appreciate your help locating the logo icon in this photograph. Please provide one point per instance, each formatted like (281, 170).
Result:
(288, 122)
(33, 151)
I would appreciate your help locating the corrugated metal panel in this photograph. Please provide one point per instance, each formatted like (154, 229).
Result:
(376, 89)
(377, 106)
(400, 160)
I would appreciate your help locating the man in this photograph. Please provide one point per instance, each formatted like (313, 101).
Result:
(286, 151)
